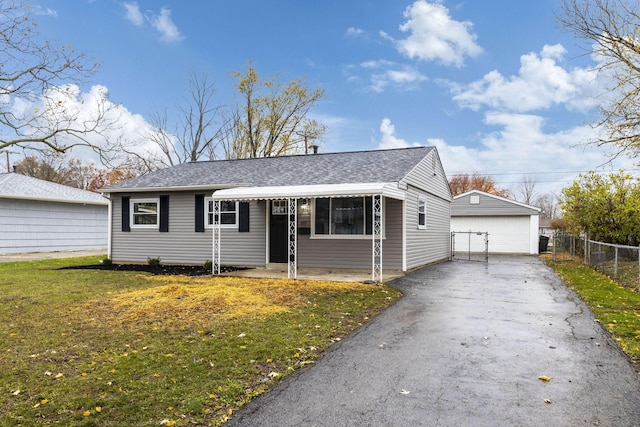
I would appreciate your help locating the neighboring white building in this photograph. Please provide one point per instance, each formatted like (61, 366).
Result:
(42, 216)
(512, 226)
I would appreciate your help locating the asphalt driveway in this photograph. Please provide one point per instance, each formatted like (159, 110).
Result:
(465, 347)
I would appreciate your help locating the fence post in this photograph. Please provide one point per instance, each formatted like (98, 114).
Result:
(615, 264)
(586, 247)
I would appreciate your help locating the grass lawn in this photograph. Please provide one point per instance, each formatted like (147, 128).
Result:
(113, 348)
(616, 307)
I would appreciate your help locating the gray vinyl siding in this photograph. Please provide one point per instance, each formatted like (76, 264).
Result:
(39, 226)
(428, 180)
(429, 176)
(246, 249)
(356, 253)
(426, 246)
(488, 206)
(182, 244)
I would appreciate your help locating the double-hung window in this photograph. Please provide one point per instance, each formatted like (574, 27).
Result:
(228, 213)
(422, 213)
(343, 216)
(144, 213)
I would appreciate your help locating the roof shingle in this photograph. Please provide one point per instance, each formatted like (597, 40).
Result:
(326, 168)
(16, 186)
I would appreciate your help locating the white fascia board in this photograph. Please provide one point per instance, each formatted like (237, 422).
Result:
(388, 189)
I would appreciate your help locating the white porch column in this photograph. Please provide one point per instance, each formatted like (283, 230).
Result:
(215, 254)
(292, 260)
(376, 241)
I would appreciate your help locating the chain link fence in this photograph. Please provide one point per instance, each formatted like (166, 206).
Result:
(470, 246)
(620, 262)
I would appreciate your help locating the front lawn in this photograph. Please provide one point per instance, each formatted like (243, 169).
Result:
(107, 348)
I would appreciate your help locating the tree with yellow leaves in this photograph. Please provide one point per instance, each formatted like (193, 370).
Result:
(270, 118)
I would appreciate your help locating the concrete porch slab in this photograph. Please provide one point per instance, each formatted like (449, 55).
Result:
(279, 271)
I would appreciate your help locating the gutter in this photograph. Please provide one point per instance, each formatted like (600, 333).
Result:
(107, 190)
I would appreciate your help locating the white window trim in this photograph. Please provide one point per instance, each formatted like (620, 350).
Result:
(132, 215)
(206, 215)
(342, 236)
(422, 202)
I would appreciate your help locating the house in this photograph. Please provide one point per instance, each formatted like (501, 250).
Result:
(42, 216)
(383, 209)
(512, 227)
(546, 228)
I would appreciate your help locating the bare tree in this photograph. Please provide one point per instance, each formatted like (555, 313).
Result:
(526, 191)
(271, 118)
(610, 30)
(38, 84)
(548, 206)
(195, 133)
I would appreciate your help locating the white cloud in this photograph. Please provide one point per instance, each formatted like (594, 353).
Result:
(68, 104)
(354, 32)
(389, 138)
(160, 22)
(522, 147)
(133, 14)
(435, 36)
(39, 10)
(541, 83)
(164, 25)
(382, 74)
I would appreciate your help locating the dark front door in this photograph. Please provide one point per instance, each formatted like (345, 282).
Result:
(278, 232)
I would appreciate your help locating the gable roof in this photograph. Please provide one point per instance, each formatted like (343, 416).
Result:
(489, 204)
(356, 167)
(16, 186)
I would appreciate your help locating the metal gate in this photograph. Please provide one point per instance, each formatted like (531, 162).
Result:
(470, 246)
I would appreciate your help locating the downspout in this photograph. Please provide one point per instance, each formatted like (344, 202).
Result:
(404, 235)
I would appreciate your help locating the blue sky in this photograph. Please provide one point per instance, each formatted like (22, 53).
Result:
(496, 85)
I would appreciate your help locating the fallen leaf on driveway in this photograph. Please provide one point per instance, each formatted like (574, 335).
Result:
(544, 378)
(405, 391)
(548, 401)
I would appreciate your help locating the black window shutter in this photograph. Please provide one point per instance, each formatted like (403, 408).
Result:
(126, 226)
(164, 214)
(199, 213)
(243, 214)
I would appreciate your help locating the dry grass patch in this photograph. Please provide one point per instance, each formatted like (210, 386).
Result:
(180, 302)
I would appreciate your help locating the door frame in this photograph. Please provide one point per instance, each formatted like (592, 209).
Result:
(278, 236)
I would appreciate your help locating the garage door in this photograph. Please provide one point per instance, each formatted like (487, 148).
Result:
(508, 234)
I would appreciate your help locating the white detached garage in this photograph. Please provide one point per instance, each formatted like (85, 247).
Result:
(512, 226)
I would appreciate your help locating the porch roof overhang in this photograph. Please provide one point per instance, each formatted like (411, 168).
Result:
(386, 189)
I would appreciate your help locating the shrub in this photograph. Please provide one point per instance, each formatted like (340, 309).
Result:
(153, 262)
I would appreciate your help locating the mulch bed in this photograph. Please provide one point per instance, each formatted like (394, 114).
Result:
(169, 270)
